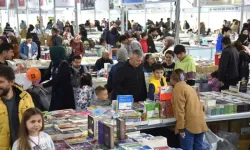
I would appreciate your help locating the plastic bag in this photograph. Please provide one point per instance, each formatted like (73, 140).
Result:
(220, 143)
(233, 138)
(212, 139)
(22, 80)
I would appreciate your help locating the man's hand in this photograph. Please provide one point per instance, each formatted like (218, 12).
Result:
(182, 134)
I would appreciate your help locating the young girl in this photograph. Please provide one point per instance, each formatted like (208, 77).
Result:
(31, 136)
(190, 118)
(168, 64)
(86, 93)
(214, 82)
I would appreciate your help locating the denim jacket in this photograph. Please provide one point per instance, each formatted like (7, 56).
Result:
(24, 49)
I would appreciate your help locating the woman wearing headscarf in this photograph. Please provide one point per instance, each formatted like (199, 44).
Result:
(59, 78)
(168, 44)
(77, 45)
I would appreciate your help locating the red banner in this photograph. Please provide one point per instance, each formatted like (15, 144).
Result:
(41, 2)
(2, 3)
(21, 3)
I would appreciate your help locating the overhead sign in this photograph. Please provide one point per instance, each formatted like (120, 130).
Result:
(102, 5)
(65, 3)
(220, 2)
(88, 4)
(35, 4)
(132, 1)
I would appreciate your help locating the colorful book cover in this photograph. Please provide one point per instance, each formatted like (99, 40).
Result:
(125, 102)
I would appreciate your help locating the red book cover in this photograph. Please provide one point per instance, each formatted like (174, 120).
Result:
(169, 108)
(2, 3)
(166, 93)
(21, 3)
(41, 2)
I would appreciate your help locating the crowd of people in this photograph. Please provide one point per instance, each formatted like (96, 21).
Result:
(72, 85)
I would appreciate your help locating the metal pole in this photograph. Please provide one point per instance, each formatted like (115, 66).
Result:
(76, 16)
(27, 20)
(40, 16)
(8, 10)
(126, 19)
(17, 16)
(109, 21)
(242, 15)
(177, 23)
(94, 13)
(171, 14)
(54, 12)
(122, 19)
(145, 12)
(199, 20)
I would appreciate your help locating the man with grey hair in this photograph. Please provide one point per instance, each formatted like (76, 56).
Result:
(122, 57)
(100, 62)
(130, 78)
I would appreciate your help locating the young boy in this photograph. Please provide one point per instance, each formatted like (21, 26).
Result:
(156, 81)
(102, 97)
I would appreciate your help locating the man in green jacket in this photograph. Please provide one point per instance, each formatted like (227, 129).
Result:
(185, 63)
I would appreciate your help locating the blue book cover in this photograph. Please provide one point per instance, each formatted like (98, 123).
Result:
(125, 102)
(100, 132)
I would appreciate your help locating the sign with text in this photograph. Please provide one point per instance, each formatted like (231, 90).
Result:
(65, 3)
(132, 1)
(88, 4)
(220, 2)
(34, 4)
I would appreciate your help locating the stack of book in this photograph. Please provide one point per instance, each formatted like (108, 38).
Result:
(227, 102)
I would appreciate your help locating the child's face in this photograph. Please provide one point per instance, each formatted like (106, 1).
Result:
(34, 124)
(169, 58)
(103, 95)
(158, 74)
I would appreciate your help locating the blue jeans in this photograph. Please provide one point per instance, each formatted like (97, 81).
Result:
(191, 141)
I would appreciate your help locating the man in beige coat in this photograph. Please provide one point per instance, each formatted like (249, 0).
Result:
(190, 118)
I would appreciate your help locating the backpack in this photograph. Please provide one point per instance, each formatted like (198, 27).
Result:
(75, 78)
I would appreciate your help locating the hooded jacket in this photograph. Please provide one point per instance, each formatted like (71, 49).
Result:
(188, 66)
(24, 102)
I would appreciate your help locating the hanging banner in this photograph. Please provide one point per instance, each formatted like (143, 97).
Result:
(132, 1)
(65, 3)
(102, 5)
(35, 4)
(3, 4)
(219, 2)
(11, 4)
(88, 4)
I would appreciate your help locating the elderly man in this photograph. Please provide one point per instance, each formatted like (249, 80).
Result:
(130, 78)
(122, 57)
(100, 62)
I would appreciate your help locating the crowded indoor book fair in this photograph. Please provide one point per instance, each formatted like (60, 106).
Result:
(124, 74)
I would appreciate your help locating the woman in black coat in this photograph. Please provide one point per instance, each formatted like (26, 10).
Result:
(59, 78)
(244, 58)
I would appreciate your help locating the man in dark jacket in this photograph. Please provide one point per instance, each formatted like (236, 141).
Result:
(6, 53)
(77, 70)
(151, 44)
(100, 62)
(228, 68)
(122, 57)
(56, 39)
(130, 78)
